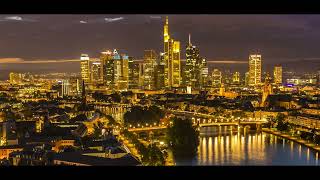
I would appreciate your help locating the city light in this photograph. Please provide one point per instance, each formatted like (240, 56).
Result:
(102, 113)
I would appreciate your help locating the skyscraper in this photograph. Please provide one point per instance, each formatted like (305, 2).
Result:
(171, 58)
(236, 78)
(149, 63)
(85, 68)
(246, 79)
(191, 72)
(133, 74)
(107, 68)
(66, 89)
(204, 72)
(266, 90)
(216, 78)
(120, 71)
(255, 69)
(277, 74)
(96, 72)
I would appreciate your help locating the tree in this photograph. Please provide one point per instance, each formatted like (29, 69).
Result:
(281, 124)
(183, 138)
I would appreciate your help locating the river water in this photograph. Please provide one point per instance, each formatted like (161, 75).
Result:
(223, 146)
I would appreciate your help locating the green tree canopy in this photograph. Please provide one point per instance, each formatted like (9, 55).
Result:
(183, 138)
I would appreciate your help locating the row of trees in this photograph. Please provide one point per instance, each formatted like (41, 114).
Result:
(151, 155)
(278, 122)
(310, 136)
(142, 115)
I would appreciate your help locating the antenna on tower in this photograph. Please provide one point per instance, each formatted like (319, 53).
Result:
(189, 39)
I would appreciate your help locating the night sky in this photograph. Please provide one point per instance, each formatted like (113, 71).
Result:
(279, 38)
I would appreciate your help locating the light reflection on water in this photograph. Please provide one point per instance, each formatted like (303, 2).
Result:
(249, 148)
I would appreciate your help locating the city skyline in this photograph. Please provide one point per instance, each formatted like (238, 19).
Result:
(161, 109)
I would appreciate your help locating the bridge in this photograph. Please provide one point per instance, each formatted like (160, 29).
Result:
(241, 123)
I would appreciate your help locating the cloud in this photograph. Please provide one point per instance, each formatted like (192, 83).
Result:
(113, 19)
(83, 22)
(155, 17)
(39, 61)
(17, 18)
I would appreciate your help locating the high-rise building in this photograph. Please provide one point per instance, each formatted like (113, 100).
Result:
(85, 68)
(204, 72)
(149, 64)
(121, 71)
(66, 89)
(96, 72)
(255, 69)
(266, 90)
(216, 78)
(246, 79)
(141, 76)
(133, 74)
(277, 74)
(236, 77)
(107, 61)
(192, 59)
(15, 78)
(160, 73)
(171, 58)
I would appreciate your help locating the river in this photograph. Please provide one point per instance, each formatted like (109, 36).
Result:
(228, 147)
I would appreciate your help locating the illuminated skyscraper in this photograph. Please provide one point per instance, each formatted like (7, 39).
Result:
(107, 61)
(133, 74)
(246, 78)
(204, 72)
(216, 78)
(160, 73)
(236, 78)
(266, 90)
(96, 72)
(277, 74)
(65, 88)
(192, 57)
(171, 58)
(255, 69)
(85, 68)
(121, 71)
(149, 63)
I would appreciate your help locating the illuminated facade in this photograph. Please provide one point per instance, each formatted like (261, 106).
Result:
(107, 61)
(133, 74)
(85, 68)
(149, 64)
(171, 59)
(66, 88)
(121, 71)
(255, 69)
(246, 79)
(216, 78)
(96, 72)
(204, 72)
(277, 74)
(191, 71)
(236, 78)
(266, 90)
(15, 78)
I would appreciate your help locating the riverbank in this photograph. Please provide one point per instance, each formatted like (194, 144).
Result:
(295, 139)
